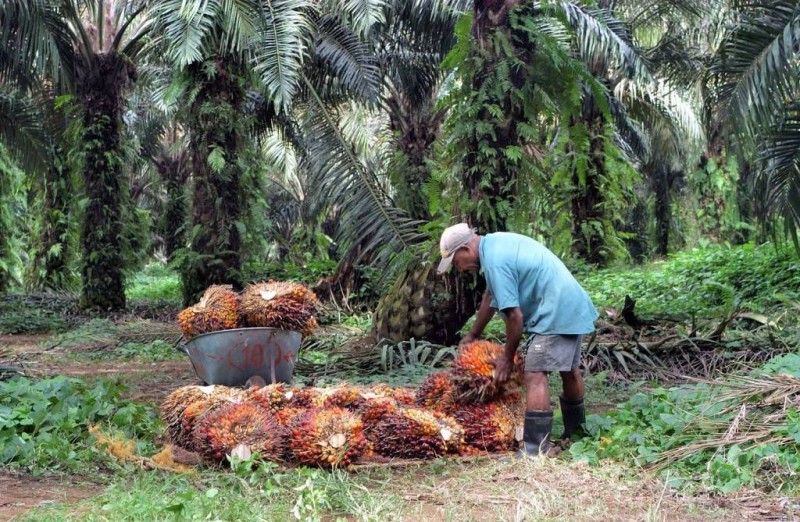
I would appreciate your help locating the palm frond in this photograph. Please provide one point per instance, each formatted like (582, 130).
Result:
(757, 67)
(21, 129)
(370, 227)
(599, 36)
(35, 41)
(416, 37)
(778, 183)
(347, 59)
(187, 25)
(362, 15)
(283, 31)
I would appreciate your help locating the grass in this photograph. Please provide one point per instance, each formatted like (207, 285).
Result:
(707, 282)
(156, 283)
(483, 489)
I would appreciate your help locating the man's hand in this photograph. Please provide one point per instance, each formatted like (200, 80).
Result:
(469, 338)
(502, 368)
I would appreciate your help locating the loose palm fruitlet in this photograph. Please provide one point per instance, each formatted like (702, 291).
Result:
(437, 392)
(489, 427)
(412, 433)
(328, 438)
(218, 309)
(275, 304)
(473, 373)
(220, 431)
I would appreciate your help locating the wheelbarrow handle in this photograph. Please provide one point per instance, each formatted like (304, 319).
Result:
(181, 347)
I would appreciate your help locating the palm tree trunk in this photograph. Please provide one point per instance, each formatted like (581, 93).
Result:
(100, 90)
(214, 142)
(50, 264)
(174, 170)
(587, 205)
(422, 304)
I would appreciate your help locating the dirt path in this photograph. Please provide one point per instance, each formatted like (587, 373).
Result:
(19, 493)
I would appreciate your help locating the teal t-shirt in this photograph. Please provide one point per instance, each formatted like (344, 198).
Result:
(521, 272)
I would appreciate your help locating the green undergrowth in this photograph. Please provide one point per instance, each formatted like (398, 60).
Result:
(703, 282)
(44, 425)
(252, 492)
(19, 318)
(156, 283)
(156, 351)
(740, 431)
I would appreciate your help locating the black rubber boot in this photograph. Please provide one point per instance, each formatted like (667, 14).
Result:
(536, 433)
(574, 415)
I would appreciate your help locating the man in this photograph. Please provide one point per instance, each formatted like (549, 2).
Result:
(535, 293)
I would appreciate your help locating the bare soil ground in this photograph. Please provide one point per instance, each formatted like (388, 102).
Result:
(19, 493)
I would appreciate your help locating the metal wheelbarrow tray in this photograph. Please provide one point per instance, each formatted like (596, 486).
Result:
(230, 357)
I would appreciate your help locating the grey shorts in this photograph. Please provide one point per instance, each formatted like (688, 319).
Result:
(553, 353)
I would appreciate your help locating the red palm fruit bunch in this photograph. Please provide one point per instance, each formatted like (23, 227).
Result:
(473, 373)
(328, 438)
(411, 433)
(489, 427)
(452, 432)
(218, 309)
(287, 416)
(343, 396)
(217, 397)
(275, 304)
(272, 397)
(306, 398)
(404, 396)
(175, 403)
(373, 411)
(436, 392)
(218, 432)
(380, 390)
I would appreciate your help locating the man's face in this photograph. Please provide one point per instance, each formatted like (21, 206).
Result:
(465, 260)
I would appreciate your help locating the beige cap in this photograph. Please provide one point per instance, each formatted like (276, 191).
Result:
(452, 239)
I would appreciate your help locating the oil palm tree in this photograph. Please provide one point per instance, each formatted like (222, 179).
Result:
(754, 88)
(89, 49)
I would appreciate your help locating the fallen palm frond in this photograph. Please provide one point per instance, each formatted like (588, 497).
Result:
(661, 351)
(754, 411)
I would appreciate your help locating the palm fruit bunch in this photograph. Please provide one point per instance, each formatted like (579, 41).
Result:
(373, 411)
(247, 423)
(404, 396)
(276, 304)
(436, 392)
(411, 433)
(181, 409)
(218, 309)
(287, 416)
(306, 398)
(489, 427)
(329, 438)
(175, 403)
(344, 396)
(473, 373)
(272, 397)
(452, 432)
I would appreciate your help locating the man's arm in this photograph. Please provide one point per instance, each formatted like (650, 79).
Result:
(505, 363)
(485, 314)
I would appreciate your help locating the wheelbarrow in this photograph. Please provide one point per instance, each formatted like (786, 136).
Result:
(231, 357)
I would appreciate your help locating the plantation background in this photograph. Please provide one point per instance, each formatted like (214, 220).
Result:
(151, 149)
